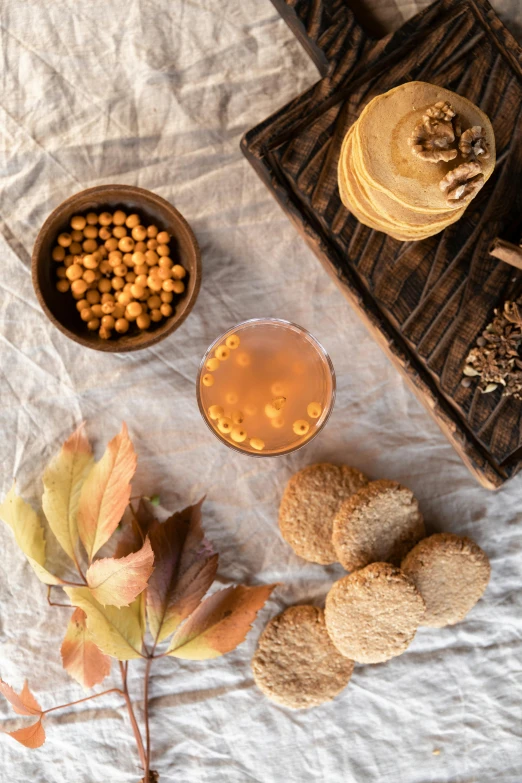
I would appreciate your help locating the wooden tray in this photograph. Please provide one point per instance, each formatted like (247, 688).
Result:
(424, 302)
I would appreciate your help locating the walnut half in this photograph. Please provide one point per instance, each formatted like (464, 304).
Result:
(473, 143)
(431, 140)
(466, 180)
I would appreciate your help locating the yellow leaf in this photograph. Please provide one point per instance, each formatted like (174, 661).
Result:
(105, 493)
(117, 632)
(84, 661)
(118, 581)
(28, 532)
(63, 479)
(219, 624)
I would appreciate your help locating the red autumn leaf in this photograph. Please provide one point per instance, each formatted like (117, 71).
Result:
(84, 661)
(118, 581)
(185, 567)
(220, 623)
(31, 736)
(105, 493)
(23, 703)
(134, 531)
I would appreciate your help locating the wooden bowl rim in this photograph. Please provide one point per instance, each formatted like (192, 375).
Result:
(149, 196)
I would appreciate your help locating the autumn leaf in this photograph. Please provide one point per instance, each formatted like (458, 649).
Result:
(105, 493)
(185, 567)
(117, 632)
(24, 703)
(29, 534)
(84, 661)
(134, 531)
(63, 480)
(220, 623)
(118, 581)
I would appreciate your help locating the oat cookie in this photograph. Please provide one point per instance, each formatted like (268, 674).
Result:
(309, 503)
(372, 615)
(295, 663)
(380, 523)
(451, 573)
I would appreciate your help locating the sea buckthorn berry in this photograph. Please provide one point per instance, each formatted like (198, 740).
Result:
(91, 218)
(139, 233)
(108, 321)
(120, 270)
(138, 258)
(124, 298)
(64, 240)
(216, 412)
(90, 232)
(165, 262)
(93, 297)
(137, 290)
(151, 257)
(207, 379)
(93, 324)
(163, 237)
(132, 221)
(166, 310)
(104, 333)
(154, 302)
(104, 233)
(111, 244)
(277, 423)
(257, 444)
(75, 248)
(224, 425)
(108, 308)
(82, 305)
(119, 232)
(156, 315)
(152, 244)
(179, 272)
(78, 286)
(166, 296)
(179, 287)
(300, 427)
(271, 411)
(130, 277)
(58, 253)
(68, 261)
(154, 283)
(140, 247)
(90, 245)
(141, 280)
(105, 267)
(105, 219)
(222, 353)
(89, 276)
(107, 297)
(143, 321)
(232, 340)
(168, 285)
(86, 314)
(78, 222)
(90, 262)
(126, 244)
(115, 257)
(134, 309)
(212, 364)
(121, 325)
(74, 272)
(119, 217)
(142, 269)
(237, 417)
(152, 231)
(118, 312)
(164, 273)
(76, 236)
(314, 410)
(104, 286)
(118, 283)
(97, 310)
(238, 434)
(243, 359)
(163, 250)
(61, 272)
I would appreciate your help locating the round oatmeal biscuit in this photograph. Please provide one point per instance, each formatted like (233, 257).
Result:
(451, 573)
(380, 523)
(310, 501)
(295, 663)
(372, 615)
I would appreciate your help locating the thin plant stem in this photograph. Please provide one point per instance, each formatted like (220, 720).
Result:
(52, 603)
(132, 716)
(146, 712)
(87, 698)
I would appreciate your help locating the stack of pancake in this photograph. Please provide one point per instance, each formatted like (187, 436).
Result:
(390, 183)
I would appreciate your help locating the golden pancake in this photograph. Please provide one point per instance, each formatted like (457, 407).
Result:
(383, 132)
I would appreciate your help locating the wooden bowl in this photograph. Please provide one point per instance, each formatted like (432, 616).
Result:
(61, 308)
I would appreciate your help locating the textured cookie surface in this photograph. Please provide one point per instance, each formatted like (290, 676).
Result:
(380, 523)
(310, 500)
(296, 664)
(372, 615)
(451, 573)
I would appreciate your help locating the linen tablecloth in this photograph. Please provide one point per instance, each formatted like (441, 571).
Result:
(157, 93)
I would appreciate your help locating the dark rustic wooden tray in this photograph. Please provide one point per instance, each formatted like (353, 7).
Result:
(424, 302)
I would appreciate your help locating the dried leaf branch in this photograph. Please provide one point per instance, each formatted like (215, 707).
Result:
(158, 577)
